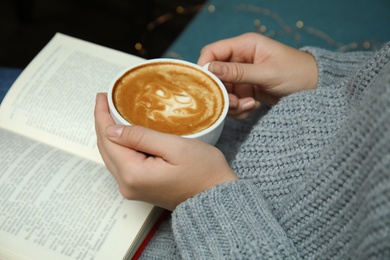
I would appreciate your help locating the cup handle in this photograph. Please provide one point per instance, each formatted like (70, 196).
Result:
(206, 66)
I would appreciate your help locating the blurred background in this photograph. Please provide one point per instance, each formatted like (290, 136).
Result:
(179, 29)
(142, 27)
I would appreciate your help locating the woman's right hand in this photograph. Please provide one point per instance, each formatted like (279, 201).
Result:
(255, 69)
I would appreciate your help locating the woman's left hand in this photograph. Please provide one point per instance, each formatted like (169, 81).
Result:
(154, 167)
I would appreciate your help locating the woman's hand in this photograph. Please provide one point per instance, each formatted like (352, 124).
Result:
(155, 167)
(257, 69)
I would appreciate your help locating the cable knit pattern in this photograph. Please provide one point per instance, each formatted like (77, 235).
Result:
(314, 175)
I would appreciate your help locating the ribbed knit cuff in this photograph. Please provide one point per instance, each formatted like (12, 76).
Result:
(334, 67)
(229, 220)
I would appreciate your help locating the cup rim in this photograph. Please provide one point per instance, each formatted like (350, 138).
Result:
(204, 69)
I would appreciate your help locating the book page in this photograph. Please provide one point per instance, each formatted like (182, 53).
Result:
(55, 205)
(53, 99)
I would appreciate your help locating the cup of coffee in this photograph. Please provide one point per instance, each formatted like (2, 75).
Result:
(171, 96)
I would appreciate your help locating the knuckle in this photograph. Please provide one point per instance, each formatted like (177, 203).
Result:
(128, 185)
(134, 135)
(100, 137)
(127, 194)
(238, 73)
(206, 49)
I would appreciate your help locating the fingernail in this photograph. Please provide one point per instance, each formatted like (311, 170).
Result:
(99, 94)
(114, 131)
(249, 105)
(218, 68)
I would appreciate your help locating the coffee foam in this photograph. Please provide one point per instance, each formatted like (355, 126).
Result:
(169, 97)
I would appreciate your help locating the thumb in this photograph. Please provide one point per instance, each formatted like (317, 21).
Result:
(142, 139)
(233, 72)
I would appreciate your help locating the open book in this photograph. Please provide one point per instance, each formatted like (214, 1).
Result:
(57, 200)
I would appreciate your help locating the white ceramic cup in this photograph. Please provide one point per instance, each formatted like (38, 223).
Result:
(209, 135)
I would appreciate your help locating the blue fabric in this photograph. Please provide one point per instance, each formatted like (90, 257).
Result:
(332, 24)
(347, 23)
(7, 78)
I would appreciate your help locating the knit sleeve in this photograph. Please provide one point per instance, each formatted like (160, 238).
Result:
(334, 67)
(229, 221)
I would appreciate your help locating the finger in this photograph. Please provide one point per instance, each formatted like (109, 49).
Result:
(241, 116)
(102, 121)
(102, 118)
(108, 149)
(248, 104)
(238, 73)
(246, 90)
(219, 50)
(233, 102)
(236, 49)
(119, 152)
(145, 140)
(101, 113)
(244, 108)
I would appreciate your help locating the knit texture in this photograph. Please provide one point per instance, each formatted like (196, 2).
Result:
(314, 175)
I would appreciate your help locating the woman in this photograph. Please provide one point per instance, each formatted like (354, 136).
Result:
(306, 177)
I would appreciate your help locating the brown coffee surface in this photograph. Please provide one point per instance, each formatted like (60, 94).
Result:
(168, 97)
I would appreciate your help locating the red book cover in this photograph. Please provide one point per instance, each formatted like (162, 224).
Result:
(163, 216)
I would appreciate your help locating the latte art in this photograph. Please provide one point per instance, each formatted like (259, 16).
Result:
(168, 103)
(168, 97)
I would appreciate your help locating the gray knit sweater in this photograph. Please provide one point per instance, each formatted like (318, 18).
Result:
(314, 175)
